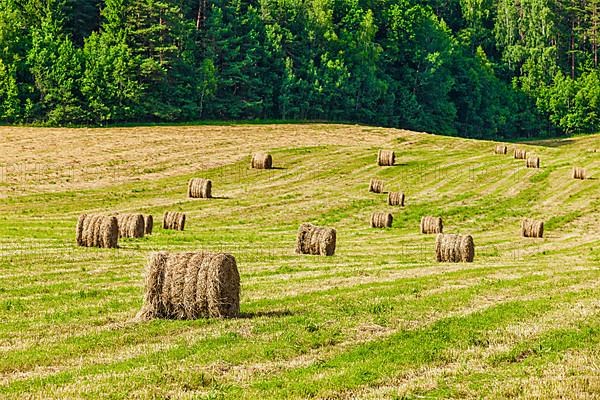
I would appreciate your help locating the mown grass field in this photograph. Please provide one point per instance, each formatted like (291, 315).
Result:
(380, 319)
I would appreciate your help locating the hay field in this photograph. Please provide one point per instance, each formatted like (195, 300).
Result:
(379, 319)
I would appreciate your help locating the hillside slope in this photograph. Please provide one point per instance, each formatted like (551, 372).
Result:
(377, 320)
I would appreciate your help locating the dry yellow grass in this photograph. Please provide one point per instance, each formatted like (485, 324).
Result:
(63, 158)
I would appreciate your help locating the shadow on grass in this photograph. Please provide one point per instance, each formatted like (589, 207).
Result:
(550, 142)
(268, 314)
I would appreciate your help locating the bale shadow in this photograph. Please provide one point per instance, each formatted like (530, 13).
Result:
(221, 197)
(268, 314)
(281, 168)
(550, 142)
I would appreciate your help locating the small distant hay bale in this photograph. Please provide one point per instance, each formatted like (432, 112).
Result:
(520, 154)
(579, 173)
(501, 149)
(315, 240)
(381, 220)
(148, 224)
(396, 199)
(131, 225)
(431, 225)
(533, 162)
(191, 285)
(386, 158)
(262, 161)
(454, 248)
(94, 230)
(200, 188)
(532, 228)
(376, 186)
(174, 220)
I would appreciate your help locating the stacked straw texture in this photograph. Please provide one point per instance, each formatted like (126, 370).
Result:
(386, 158)
(454, 248)
(191, 285)
(431, 225)
(520, 154)
(148, 224)
(579, 173)
(315, 240)
(381, 220)
(501, 149)
(262, 161)
(376, 186)
(532, 228)
(97, 231)
(131, 225)
(174, 220)
(396, 199)
(200, 188)
(533, 162)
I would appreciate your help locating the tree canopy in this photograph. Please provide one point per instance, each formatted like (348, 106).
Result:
(478, 68)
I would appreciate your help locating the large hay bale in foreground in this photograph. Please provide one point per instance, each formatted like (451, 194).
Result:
(431, 224)
(262, 161)
(315, 240)
(200, 188)
(579, 173)
(131, 225)
(386, 158)
(396, 199)
(454, 248)
(376, 186)
(95, 230)
(174, 220)
(532, 228)
(381, 220)
(533, 162)
(520, 154)
(148, 224)
(191, 285)
(501, 149)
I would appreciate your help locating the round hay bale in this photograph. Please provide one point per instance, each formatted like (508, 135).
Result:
(153, 283)
(200, 188)
(131, 225)
(431, 225)
(92, 231)
(396, 199)
(79, 230)
(262, 161)
(533, 162)
(95, 230)
(501, 149)
(314, 240)
(386, 158)
(191, 285)
(454, 248)
(532, 228)
(579, 173)
(520, 154)
(223, 286)
(110, 232)
(376, 186)
(148, 224)
(381, 220)
(174, 220)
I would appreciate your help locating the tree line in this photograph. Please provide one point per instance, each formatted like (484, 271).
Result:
(477, 68)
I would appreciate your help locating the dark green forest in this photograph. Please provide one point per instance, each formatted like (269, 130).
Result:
(476, 68)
